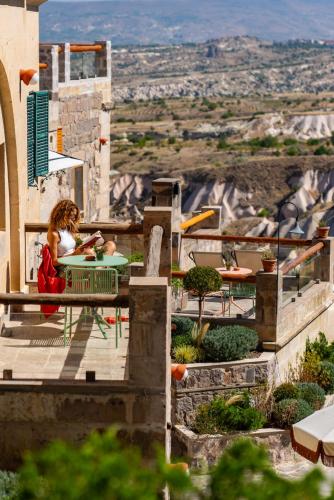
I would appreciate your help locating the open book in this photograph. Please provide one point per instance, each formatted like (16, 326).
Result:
(89, 241)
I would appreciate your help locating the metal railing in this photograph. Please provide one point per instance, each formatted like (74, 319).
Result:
(35, 237)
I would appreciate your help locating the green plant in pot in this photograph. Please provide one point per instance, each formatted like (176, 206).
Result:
(268, 261)
(99, 252)
(323, 229)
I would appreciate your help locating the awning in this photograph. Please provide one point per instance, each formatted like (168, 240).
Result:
(313, 437)
(61, 162)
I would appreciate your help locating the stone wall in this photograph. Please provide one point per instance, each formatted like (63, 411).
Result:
(32, 413)
(207, 380)
(204, 451)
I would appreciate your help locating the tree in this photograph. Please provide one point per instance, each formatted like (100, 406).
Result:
(202, 280)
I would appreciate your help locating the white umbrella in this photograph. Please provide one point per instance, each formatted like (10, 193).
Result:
(314, 436)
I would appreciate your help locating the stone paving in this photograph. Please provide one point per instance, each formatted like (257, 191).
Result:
(213, 307)
(33, 348)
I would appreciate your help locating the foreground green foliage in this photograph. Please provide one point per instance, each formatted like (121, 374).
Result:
(103, 470)
(235, 414)
(99, 470)
(183, 325)
(244, 472)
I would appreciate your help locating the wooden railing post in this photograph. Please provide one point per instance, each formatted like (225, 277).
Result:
(158, 216)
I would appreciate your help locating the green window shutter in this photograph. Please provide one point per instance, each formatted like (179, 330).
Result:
(42, 132)
(31, 138)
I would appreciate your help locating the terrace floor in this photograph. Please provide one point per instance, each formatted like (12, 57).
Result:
(213, 307)
(33, 347)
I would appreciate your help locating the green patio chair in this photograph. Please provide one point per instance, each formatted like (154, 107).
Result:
(83, 280)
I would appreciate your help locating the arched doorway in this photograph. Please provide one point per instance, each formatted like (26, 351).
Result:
(12, 172)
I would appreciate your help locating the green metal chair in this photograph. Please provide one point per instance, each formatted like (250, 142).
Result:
(83, 280)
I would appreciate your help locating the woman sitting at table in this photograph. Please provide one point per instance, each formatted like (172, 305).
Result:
(62, 233)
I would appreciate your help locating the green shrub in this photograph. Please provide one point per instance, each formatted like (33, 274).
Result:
(325, 376)
(222, 416)
(286, 391)
(187, 354)
(263, 212)
(293, 151)
(181, 340)
(312, 393)
(290, 411)
(290, 141)
(322, 150)
(309, 369)
(183, 325)
(313, 142)
(321, 347)
(229, 343)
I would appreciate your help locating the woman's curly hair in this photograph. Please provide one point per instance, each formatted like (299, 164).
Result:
(65, 215)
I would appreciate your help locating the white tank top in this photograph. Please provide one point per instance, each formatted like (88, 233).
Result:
(66, 245)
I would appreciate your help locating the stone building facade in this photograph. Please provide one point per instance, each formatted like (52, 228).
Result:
(19, 32)
(79, 126)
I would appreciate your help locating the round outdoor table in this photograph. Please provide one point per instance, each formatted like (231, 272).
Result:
(107, 261)
(233, 273)
(79, 261)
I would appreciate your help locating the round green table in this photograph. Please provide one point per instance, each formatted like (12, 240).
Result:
(107, 261)
(79, 261)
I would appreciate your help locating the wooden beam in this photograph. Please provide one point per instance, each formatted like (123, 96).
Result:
(301, 258)
(154, 252)
(247, 239)
(198, 218)
(104, 227)
(65, 299)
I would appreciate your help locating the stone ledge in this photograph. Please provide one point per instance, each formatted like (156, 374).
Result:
(204, 450)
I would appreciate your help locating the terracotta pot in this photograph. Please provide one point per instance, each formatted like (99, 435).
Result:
(269, 265)
(323, 232)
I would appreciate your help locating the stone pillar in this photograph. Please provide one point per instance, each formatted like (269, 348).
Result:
(213, 222)
(149, 361)
(103, 60)
(325, 264)
(167, 193)
(159, 216)
(49, 77)
(269, 298)
(67, 62)
(61, 61)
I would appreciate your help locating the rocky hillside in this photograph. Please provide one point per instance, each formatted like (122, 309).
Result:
(237, 66)
(243, 196)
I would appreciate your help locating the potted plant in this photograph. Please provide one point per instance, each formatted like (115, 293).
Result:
(99, 252)
(268, 261)
(323, 229)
